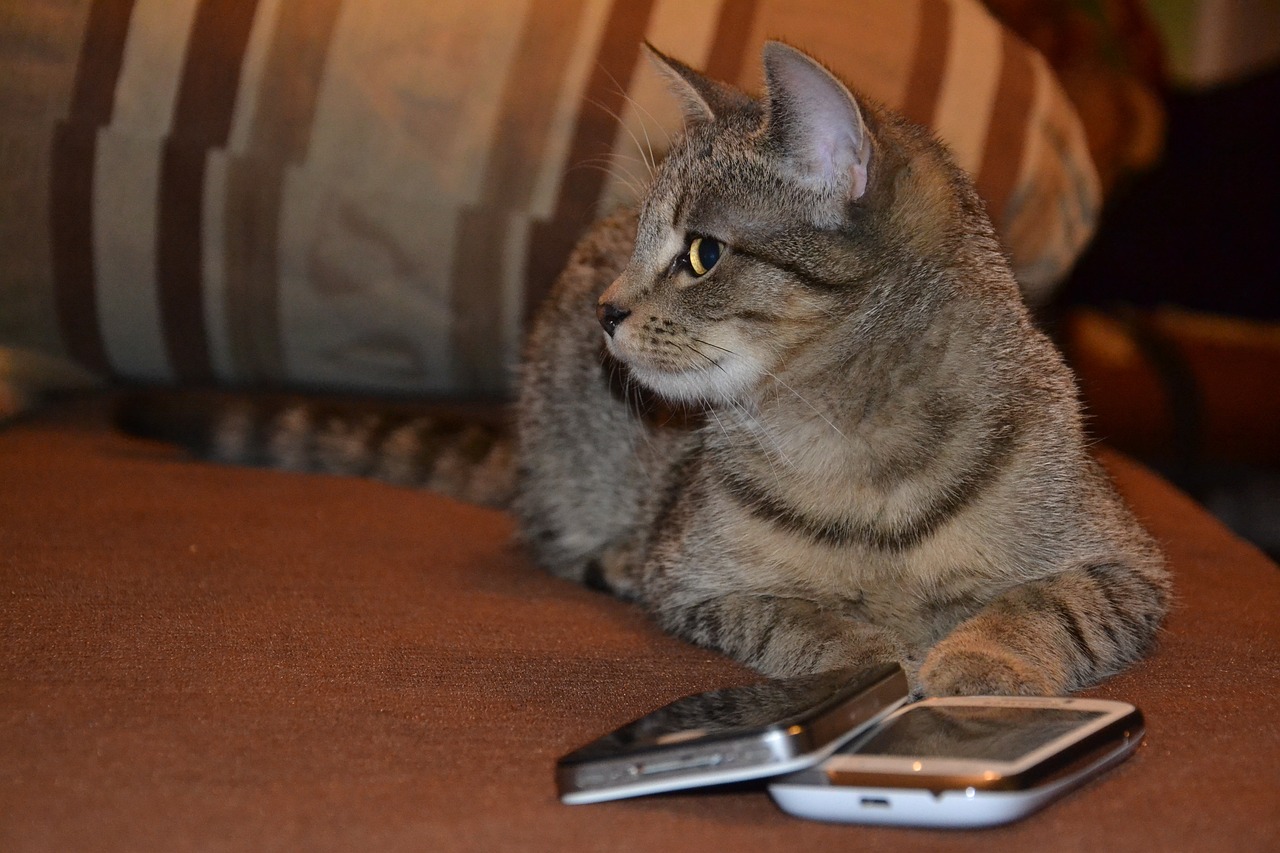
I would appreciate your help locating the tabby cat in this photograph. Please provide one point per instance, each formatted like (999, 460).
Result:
(819, 428)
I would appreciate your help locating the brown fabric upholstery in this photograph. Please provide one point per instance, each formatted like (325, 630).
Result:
(197, 657)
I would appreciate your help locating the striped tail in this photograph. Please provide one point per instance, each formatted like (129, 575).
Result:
(464, 453)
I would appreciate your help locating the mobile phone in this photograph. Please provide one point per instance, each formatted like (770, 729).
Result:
(965, 761)
(732, 735)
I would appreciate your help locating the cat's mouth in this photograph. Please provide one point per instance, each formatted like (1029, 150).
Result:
(697, 377)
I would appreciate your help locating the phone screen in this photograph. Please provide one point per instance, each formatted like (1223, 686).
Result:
(730, 712)
(990, 733)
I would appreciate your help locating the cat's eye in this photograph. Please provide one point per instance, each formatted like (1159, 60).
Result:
(703, 254)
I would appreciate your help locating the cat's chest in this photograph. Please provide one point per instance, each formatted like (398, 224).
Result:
(816, 524)
(913, 591)
(806, 476)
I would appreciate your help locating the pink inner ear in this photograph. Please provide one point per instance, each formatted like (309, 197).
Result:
(837, 143)
(858, 173)
(828, 121)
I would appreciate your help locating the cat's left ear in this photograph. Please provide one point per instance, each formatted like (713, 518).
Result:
(816, 122)
(701, 97)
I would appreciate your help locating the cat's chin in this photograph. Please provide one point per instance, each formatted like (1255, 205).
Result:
(721, 384)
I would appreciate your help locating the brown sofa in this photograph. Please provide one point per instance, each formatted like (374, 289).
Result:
(201, 657)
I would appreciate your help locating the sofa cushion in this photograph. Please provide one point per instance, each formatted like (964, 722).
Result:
(201, 657)
(371, 195)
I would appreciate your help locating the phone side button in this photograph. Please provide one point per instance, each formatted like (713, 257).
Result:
(690, 762)
(748, 756)
(591, 778)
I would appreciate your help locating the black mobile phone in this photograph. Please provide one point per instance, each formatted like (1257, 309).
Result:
(732, 735)
(965, 761)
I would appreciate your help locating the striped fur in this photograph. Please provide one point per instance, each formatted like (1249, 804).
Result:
(405, 445)
(877, 456)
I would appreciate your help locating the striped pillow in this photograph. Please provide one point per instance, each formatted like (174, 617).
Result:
(371, 195)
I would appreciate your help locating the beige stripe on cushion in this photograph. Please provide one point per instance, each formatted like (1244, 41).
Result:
(963, 112)
(273, 126)
(882, 30)
(406, 114)
(1056, 166)
(258, 52)
(1007, 134)
(218, 326)
(39, 55)
(147, 92)
(65, 170)
(550, 171)
(930, 50)
(202, 121)
(127, 178)
(489, 253)
(552, 37)
(567, 103)
(617, 55)
(687, 32)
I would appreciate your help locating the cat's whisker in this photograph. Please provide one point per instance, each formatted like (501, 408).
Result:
(648, 145)
(776, 378)
(645, 149)
(645, 113)
(784, 384)
(630, 182)
(608, 160)
(772, 450)
(642, 113)
(610, 157)
(636, 185)
(698, 352)
(719, 423)
(618, 375)
(713, 346)
(618, 121)
(640, 108)
(635, 402)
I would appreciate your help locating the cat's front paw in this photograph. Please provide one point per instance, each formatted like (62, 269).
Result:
(977, 669)
(613, 571)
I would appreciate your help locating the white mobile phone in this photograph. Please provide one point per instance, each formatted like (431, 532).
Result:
(964, 762)
(732, 735)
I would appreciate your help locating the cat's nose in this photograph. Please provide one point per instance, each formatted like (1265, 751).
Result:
(610, 316)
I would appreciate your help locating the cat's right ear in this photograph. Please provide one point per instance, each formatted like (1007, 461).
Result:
(701, 98)
(816, 122)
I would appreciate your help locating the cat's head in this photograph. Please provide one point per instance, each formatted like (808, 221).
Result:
(755, 232)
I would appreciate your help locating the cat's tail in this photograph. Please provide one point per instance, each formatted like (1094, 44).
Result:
(463, 452)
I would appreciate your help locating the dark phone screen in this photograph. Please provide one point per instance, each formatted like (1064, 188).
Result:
(999, 734)
(734, 711)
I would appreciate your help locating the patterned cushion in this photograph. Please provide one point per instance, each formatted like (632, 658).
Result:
(371, 195)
